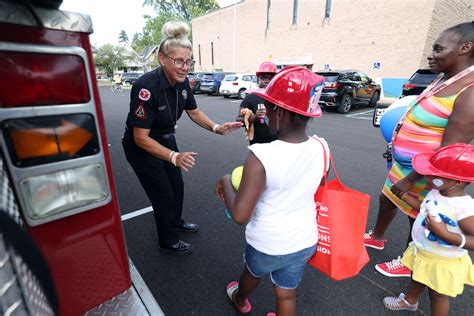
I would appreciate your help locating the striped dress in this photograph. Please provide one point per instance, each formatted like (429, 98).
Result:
(422, 131)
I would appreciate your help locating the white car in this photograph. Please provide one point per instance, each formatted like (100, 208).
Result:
(237, 84)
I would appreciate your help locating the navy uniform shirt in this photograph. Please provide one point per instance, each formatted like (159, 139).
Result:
(156, 105)
(261, 132)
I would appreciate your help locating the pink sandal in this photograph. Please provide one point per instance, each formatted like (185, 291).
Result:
(231, 288)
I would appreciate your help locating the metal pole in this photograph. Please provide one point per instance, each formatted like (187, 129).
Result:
(295, 11)
(235, 31)
(269, 7)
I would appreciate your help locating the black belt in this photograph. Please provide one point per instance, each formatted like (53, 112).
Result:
(161, 135)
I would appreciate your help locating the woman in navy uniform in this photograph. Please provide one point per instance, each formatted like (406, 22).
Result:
(157, 100)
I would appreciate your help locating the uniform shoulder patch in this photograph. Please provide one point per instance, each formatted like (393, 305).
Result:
(144, 94)
(140, 111)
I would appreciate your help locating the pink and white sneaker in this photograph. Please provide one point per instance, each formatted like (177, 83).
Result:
(371, 242)
(393, 269)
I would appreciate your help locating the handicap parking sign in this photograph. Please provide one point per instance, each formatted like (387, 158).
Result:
(376, 65)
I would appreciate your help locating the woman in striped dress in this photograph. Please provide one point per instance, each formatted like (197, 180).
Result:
(444, 116)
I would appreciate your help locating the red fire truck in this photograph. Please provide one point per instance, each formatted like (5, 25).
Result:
(62, 249)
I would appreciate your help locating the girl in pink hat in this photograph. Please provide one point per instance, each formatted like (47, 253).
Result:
(442, 233)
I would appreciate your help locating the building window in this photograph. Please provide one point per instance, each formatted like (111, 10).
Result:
(295, 12)
(327, 13)
(199, 54)
(212, 53)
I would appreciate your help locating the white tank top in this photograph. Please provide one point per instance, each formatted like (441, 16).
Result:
(284, 219)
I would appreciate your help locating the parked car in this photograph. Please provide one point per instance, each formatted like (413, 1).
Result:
(195, 81)
(211, 83)
(130, 77)
(344, 88)
(102, 78)
(237, 84)
(418, 82)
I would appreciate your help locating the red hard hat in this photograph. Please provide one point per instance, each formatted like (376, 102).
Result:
(296, 89)
(453, 162)
(267, 67)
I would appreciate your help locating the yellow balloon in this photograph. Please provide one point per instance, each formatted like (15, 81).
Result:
(236, 177)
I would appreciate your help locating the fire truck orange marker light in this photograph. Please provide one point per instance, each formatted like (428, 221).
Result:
(72, 137)
(68, 139)
(35, 142)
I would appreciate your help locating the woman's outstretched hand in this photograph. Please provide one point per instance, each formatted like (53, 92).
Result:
(185, 160)
(228, 127)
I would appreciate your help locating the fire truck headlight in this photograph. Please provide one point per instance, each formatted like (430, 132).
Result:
(53, 193)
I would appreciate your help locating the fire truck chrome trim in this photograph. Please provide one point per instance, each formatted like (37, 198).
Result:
(19, 174)
(52, 19)
(137, 300)
(8, 201)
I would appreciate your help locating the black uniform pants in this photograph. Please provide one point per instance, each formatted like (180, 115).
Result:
(163, 184)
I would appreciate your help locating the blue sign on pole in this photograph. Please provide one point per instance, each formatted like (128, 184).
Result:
(376, 65)
(327, 67)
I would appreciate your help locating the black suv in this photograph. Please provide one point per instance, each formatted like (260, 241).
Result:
(130, 77)
(344, 88)
(418, 82)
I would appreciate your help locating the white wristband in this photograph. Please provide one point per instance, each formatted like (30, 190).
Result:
(170, 155)
(215, 127)
(173, 158)
(463, 241)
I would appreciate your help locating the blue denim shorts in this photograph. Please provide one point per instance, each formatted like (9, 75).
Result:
(285, 271)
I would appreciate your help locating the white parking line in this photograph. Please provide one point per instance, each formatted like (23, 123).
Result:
(235, 101)
(359, 113)
(362, 118)
(137, 213)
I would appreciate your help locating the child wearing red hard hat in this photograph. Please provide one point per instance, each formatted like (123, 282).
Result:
(443, 231)
(276, 195)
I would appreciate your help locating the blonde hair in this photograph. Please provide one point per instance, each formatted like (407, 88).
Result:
(175, 34)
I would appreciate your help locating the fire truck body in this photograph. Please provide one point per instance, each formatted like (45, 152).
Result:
(57, 181)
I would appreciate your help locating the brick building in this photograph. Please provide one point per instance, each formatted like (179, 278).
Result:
(386, 39)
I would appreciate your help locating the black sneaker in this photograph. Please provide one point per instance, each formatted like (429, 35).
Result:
(179, 248)
(189, 228)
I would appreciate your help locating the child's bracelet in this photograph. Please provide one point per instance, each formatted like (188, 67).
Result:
(463, 241)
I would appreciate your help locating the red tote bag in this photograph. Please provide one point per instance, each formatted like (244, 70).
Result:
(341, 217)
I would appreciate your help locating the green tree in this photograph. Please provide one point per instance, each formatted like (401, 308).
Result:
(166, 10)
(123, 37)
(183, 9)
(110, 58)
